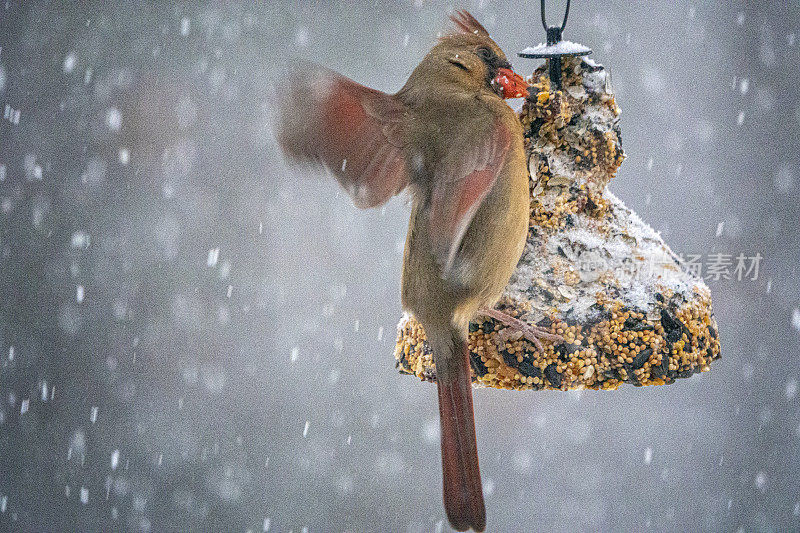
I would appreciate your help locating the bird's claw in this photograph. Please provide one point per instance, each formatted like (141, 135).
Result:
(516, 329)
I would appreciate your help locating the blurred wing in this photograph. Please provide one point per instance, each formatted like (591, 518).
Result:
(460, 185)
(354, 131)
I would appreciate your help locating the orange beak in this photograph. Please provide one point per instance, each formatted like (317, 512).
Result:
(513, 84)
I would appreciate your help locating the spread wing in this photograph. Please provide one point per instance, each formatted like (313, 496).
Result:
(356, 132)
(460, 185)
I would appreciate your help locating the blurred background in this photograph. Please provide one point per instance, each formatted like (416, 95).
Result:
(195, 337)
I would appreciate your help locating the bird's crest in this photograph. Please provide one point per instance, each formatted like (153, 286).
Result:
(466, 23)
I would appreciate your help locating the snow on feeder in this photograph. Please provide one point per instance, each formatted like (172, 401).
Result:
(593, 272)
(555, 49)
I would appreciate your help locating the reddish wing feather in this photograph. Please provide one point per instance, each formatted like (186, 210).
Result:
(354, 131)
(460, 187)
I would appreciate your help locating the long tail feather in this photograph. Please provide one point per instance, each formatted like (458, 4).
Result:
(462, 488)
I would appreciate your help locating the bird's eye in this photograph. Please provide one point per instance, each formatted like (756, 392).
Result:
(484, 53)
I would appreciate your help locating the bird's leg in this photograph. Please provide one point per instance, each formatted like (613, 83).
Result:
(516, 328)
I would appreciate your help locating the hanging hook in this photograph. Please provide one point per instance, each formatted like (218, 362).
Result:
(554, 51)
(563, 22)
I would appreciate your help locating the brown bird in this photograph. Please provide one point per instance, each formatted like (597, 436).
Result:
(449, 138)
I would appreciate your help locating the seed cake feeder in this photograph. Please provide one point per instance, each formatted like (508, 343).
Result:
(628, 308)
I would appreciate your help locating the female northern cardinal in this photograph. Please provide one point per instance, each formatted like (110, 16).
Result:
(448, 136)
